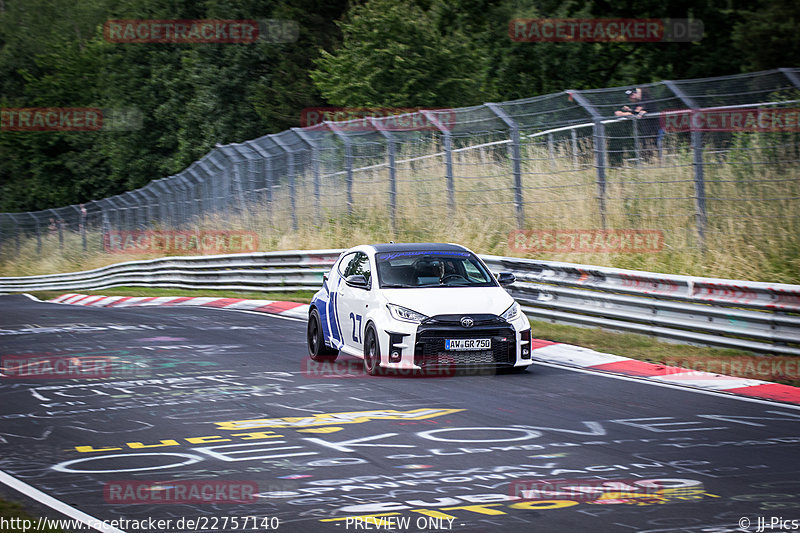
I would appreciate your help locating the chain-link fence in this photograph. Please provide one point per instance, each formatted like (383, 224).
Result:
(607, 158)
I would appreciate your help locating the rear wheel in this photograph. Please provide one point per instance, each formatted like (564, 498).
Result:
(317, 349)
(372, 352)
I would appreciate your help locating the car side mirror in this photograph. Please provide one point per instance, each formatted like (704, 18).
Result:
(506, 278)
(357, 280)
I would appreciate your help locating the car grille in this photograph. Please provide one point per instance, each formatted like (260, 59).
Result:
(430, 347)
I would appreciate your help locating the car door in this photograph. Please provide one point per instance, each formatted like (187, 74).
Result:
(353, 302)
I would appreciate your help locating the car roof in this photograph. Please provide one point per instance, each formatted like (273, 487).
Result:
(415, 246)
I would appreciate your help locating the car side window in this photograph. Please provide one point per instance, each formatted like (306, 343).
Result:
(344, 264)
(359, 265)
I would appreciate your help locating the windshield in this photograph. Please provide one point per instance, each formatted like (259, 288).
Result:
(431, 268)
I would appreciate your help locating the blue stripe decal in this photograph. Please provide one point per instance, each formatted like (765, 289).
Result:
(333, 320)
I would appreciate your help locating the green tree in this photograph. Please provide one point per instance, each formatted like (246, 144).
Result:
(393, 54)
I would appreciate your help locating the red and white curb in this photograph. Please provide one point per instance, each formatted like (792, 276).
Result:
(546, 351)
(287, 309)
(566, 354)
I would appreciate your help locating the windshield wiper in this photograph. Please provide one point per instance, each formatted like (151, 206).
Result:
(397, 286)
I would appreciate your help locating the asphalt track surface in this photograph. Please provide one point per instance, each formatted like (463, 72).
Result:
(198, 396)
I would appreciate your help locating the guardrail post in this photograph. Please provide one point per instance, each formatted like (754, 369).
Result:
(516, 159)
(599, 150)
(306, 138)
(448, 158)
(291, 170)
(697, 163)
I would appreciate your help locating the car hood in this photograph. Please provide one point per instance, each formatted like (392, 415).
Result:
(433, 301)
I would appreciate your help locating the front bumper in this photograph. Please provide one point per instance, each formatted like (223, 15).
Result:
(507, 345)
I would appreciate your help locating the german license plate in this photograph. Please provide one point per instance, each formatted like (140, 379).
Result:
(468, 344)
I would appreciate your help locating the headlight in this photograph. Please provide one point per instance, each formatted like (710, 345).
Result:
(511, 314)
(406, 315)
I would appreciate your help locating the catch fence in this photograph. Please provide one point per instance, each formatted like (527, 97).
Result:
(559, 161)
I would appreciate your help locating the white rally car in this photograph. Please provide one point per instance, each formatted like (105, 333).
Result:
(413, 307)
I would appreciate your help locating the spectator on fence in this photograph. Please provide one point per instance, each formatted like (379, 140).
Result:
(640, 106)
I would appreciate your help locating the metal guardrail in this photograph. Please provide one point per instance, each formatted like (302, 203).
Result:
(763, 317)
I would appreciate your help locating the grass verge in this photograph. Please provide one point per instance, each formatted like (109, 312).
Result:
(739, 363)
(12, 510)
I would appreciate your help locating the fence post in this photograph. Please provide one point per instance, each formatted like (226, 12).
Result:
(348, 162)
(57, 222)
(574, 135)
(291, 170)
(391, 152)
(448, 158)
(16, 232)
(266, 162)
(697, 163)
(636, 147)
(312, 144)
(147, 197)
(516, 160)
(234, 171)
(38, 233)
(794, 78)
(599, 150)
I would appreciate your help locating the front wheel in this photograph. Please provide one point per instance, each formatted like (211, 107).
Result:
(317, 349)
(372, 352)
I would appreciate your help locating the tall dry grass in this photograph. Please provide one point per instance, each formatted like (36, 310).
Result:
(752, 190)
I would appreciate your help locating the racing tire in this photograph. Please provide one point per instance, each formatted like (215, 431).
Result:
(317, 350)
(372, 352)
